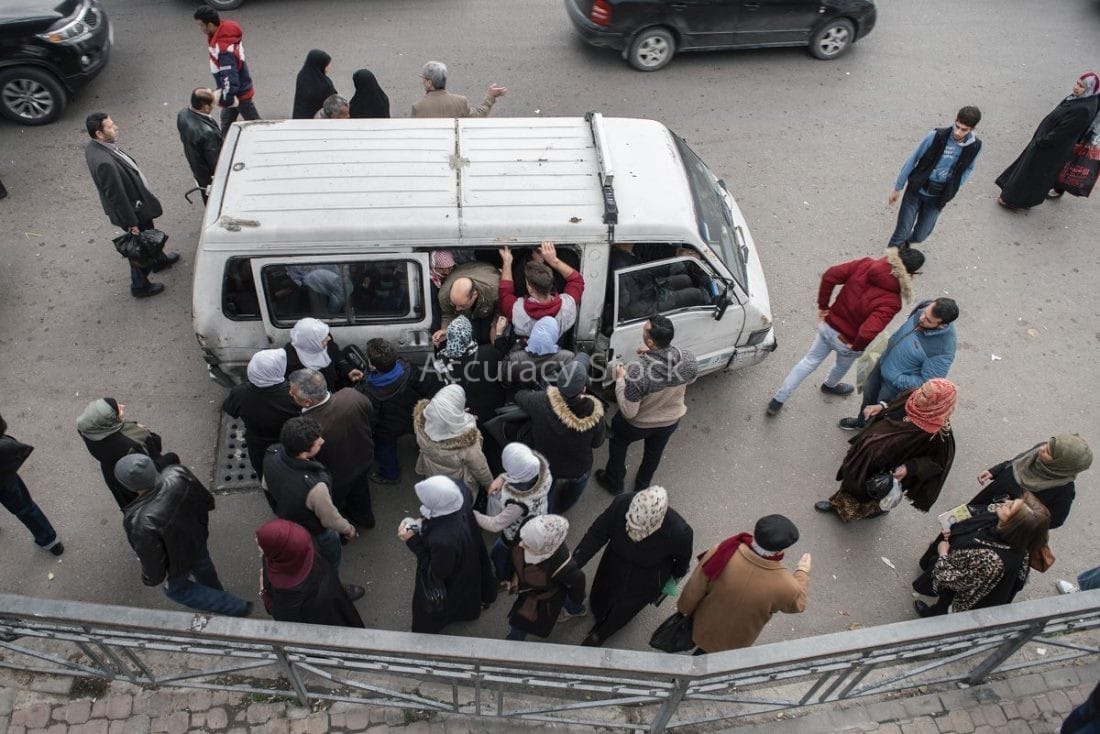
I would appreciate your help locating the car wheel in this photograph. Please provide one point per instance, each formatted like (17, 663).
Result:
(224, 4)
(30, 96)
(652, 49)
(833, 38)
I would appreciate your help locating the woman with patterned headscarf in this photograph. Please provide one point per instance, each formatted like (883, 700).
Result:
(647, 542)
(476, 368)
(1033, 175)
(912, 439)
(1047, 470)
(549, 586)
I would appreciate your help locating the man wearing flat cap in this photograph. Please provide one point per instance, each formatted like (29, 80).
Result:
(167, 526)
(740, 583)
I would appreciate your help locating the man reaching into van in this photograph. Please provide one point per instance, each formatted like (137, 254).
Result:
(541, 300)
(472, 290)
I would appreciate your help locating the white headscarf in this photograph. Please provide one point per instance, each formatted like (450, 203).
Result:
(439, 496)
(542, 536)
(646, 513)
(520, 463)
(267, 367)
(445, 416)
(306, 337)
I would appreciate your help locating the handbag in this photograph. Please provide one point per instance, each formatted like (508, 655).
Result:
(1042, 559)
(879, 485)
(1079, 174)
(673, 635)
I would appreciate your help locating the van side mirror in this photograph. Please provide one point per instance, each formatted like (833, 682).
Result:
(722, 304)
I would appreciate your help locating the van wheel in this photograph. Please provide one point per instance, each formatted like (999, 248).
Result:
(652, 49)
(833, 38)
(30, 96)
(224, 4)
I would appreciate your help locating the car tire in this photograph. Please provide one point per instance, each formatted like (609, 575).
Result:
(31, 96)
(224, 4)
(832, 38)
(652, 49)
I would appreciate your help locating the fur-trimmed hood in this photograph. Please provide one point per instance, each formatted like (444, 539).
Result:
(897, 269)
(570, 419)
(464, 440)
(539, 487)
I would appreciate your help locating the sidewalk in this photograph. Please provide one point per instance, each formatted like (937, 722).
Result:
(1029, 703)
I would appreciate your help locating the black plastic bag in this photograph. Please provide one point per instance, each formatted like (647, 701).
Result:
(674, 634)
(142, 249)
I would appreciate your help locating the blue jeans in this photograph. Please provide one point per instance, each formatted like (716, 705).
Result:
(568, 492)
(826, 340)
(501, 556)
(622, 435)
(517, 634)
(875, 390)
(200, 589)
(1089, 580)
(916, 218)
(385, 457)
(328, 543)
(15, 497)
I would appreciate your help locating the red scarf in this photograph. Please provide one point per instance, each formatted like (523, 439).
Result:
(714, 565)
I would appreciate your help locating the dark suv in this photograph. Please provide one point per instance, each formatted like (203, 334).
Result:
(48, 50)
(650, 32)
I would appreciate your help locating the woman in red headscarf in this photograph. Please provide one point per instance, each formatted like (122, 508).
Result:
(910, 437)
(296, 583)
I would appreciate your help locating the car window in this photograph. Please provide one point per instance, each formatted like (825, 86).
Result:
(344, 293)
(239, 299)
(665, 287)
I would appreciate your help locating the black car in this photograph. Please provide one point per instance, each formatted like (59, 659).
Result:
(48, 50)
(650, 32)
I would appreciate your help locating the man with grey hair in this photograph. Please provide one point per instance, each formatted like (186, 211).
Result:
(334, 107)
(345, 417)
(438, 102)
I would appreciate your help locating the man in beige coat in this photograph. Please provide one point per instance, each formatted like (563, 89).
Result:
(740, 583)
(438, 102)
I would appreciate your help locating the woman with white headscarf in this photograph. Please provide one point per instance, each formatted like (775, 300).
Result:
(453, 578)
(1032, 177)
(648, 543)
(450, 443)
(549, 586)
(263, 402)
(462, 361)
(520, 493)
(311, 345)
(540, 360)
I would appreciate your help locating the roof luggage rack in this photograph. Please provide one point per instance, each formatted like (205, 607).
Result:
(607, 173)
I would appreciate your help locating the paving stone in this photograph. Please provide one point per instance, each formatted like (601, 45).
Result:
(883, 711)
(19, 718)
(178, 722)
(1017, 726)
(994, 716)
(37, 716)
(17, 730)
(276, 726)
(99, 708)
(1062, 678)
(889, 728)
(985, 729)
(217, 719)
(138, 724)
(295, 712)
(77, 712)
(93, 726)
(957, 722)
(1061, 702)
(922, 706)
(119, 706)
(920, 725)
(1026, 708)
(199, 700)
(336, 721)
(357, 719)
(1026, 685)
(1044, 704)
(55, 684)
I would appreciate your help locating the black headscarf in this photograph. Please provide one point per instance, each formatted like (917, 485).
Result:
(369, 99)
(313, 85)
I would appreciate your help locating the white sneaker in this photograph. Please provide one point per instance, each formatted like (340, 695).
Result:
(1065, 587)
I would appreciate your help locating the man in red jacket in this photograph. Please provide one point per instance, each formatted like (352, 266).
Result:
(228, 65)
(871, 292)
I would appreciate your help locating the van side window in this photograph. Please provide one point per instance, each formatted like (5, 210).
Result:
(665, 287)
(239, 299)
(344, 293)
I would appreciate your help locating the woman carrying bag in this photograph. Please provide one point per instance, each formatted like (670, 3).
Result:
(549, 586)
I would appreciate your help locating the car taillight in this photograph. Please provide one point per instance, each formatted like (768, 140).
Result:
(600, 13)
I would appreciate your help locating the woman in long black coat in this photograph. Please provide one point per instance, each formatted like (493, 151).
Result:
(109, 438)
(1047, 470)
(454, 577)
(647, 544)
(263, 402)
(297, 584)
(369, 100)
(311, 345)
(1034, 173)
(312, 85)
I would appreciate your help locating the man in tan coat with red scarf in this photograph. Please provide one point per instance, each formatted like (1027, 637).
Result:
(740, 583)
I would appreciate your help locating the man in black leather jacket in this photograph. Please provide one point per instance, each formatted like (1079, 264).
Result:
(201, 137)
(167, 526)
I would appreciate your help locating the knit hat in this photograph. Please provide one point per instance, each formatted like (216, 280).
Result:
(912, 259)
(573, 377)
(520, 463)
(460, 338)
(929, 407)
(136, 472)
(774, 533)
(542, 537)
(544, 337)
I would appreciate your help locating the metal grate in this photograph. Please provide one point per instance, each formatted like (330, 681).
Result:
(232, 469)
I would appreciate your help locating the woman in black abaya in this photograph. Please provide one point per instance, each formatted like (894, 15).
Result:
(313, 85)
(369, 99)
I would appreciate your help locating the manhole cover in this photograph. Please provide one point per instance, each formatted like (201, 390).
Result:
(232, 469)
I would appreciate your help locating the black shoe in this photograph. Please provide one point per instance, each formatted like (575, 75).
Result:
(774, 406)
(169, 260)
(248, 606)
(824, 506)
(605, 482)
(354, 592)
(151, 290)
(922, 608)
(57, 548)
(376, 478)
(841, 388)
(849, 424)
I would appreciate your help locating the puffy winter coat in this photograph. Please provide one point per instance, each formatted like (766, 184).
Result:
(870, 295)
(914, 357)
(459, 458)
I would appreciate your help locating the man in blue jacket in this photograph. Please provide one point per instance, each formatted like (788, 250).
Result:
(932, 176)
(923, 348)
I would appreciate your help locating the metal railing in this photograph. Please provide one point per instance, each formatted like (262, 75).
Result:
(534, 681)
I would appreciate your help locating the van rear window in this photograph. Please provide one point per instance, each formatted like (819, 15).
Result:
(344, 293)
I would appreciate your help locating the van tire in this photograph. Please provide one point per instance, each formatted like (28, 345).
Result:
(652, 49)
(31, 96)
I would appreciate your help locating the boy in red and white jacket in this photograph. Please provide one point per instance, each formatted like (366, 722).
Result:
(228, 65)
(541, 300)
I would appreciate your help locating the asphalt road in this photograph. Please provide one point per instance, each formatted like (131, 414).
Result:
(810, 149)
